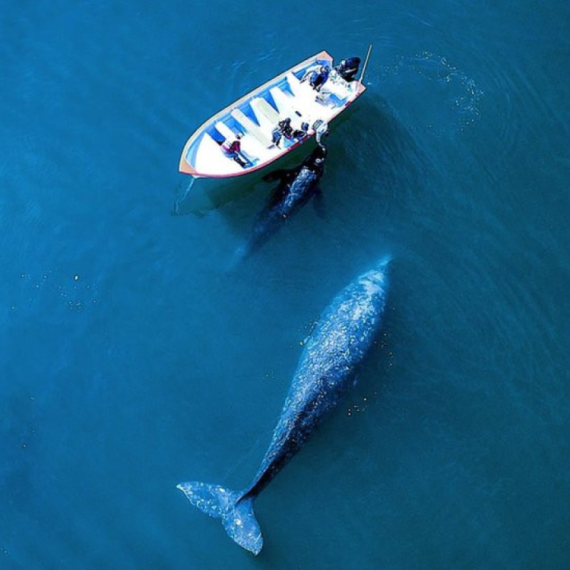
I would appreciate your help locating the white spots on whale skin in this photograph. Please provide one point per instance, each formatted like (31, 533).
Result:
(343, 335)
(373, 283)
(371, 288)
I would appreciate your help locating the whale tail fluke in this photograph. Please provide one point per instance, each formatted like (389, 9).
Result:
(233, 507)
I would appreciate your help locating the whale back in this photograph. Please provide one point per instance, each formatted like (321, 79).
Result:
(326, 369)
(345, 332)
(290, 196)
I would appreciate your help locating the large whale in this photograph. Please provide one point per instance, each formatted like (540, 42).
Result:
(296, 187)
(342, 337)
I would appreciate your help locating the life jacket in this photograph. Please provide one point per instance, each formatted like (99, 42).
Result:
(235, 146)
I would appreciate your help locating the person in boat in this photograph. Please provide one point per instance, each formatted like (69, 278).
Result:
(317, 76)
(302, 132)
(284, 129)
(233, 150)
(348, 68)
(317, 82)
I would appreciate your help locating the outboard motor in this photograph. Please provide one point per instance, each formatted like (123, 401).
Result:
(348, 68)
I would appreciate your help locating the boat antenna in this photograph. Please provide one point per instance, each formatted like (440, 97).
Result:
(365, 64)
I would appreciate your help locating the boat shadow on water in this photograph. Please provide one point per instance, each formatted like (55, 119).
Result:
(375, 145)
(367, 144)
(198, 196)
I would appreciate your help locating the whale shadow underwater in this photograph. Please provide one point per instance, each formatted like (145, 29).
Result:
(297, 186)
(326, 370)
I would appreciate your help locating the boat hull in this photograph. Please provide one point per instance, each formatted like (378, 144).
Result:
(256, 115)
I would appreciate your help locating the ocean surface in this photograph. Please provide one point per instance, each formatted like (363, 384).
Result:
(131, 359)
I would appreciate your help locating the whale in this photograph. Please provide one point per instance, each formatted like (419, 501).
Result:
(326, 370)
(296, 187)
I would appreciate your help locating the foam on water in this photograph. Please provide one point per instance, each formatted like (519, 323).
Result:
(455, 97)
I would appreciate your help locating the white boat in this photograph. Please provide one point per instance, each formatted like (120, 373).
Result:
(255, 118)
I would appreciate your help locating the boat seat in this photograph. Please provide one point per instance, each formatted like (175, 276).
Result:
(306, 98)
(225, 131)
(285, 104)
(251, 127)
(266, 115)
(210, 158)
(297, 87)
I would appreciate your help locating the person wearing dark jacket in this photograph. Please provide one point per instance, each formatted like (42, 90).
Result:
(317, 77)
(233, 150)
(283, 129)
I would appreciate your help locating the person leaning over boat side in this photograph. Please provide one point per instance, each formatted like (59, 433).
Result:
(233, 150)
(302, 132)
(283, 128)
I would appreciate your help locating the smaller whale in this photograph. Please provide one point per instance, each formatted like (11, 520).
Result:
(345, 332)
(296, 187)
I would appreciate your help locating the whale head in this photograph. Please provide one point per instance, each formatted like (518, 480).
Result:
(375, 279)
(316, 160)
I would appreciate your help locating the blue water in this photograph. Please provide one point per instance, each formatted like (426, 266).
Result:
(131, 360)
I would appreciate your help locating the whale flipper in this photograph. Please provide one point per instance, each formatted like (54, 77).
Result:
(233, 507)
